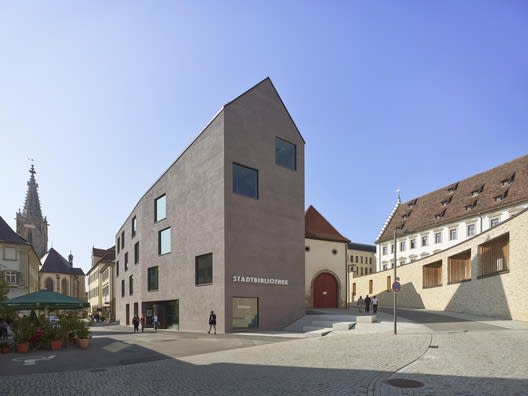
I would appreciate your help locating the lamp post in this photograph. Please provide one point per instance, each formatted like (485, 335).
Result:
(395, 298)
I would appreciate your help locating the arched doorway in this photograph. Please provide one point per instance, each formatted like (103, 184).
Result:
(325, 291)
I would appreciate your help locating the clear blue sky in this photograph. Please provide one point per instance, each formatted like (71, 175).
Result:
(104, 95)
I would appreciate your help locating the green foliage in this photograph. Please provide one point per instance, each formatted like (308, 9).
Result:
(83, 331)
(23, 329)
(3, 289)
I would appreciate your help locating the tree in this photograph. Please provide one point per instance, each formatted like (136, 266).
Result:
(3, 289)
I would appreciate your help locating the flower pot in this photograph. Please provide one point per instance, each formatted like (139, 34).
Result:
(22, 347)
(56, 345)
(83, 343)
(4, 349)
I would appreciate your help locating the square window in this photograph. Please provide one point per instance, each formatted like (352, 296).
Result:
(245, 181)
(494, 222)
(402, 246)
(164, 241)
(160, 208)
(10, 253)
(438, 237)
(471, 230)
(452, 234)
(384, 250)
(413, 243)
(285, 154)
(204, 269)
(10, 277)
(152, 276)
(425, 240)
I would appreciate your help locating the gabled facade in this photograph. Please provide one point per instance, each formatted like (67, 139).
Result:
(326, 282)
(59, 275)
(222, 228)
(19, 263)
(30, 224)
(100, 283)
(446, 217)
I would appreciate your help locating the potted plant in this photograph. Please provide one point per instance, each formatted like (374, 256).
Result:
(23, 331)
(83, 335)
(53, 335)
(4, 347)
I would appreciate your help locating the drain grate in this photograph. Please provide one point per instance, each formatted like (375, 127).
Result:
(433, 346)
(404, 383)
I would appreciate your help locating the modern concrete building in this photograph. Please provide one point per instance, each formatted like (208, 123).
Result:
(100, 283)
(222, 227)
(19, 263)
(446, 217)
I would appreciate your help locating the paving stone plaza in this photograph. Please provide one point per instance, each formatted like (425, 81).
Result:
(449, 357)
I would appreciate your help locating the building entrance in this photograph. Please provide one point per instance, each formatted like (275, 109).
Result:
(325, 291)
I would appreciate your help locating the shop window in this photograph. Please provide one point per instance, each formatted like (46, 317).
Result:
(245, 313)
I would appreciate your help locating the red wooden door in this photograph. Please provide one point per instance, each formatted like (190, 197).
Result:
(325, 291)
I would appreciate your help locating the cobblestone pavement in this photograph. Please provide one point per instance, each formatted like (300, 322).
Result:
(486, 362)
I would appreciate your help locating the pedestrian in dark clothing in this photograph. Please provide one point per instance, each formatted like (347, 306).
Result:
(367, 303)
(135, 322)
(212, 322)
(142, 321)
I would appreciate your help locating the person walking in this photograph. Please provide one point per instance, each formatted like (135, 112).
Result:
(360, 304)
(212, 322)
(155, 323)
(367, 303)
(374, 304)
(142, 321)
(135, 322)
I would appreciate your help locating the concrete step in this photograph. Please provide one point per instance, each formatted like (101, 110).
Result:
(343, 325)
(316, 331)
(366, 319)
(322, 323)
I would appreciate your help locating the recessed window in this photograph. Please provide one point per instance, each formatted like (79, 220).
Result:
(453, 234)
(131, 285)
(502, 196)
(425, 240)
(384, 250)
(307, 248)
(123, 240)
(134, 226)
(334, 251)
(117, 268)
(126, 261)
(204, 269)
(136, 253)
(438, 237)
(285, 154)
(123, 288)
(164, 241)
(245, 181)
(413, 243)
(152, 276)
(118, 244)
(402, 246)
(494, 256)
(432, 275)
(160, 208)
(471, 230)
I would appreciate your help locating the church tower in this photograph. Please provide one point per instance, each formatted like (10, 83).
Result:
(30, 224)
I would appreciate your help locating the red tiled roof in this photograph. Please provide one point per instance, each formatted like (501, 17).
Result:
(317, 227)
(502, 186)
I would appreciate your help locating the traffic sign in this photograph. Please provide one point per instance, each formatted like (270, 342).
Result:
(396, 286)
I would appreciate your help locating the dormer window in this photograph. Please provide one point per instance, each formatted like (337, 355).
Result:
(471, 205)
(446, 202)
(452, 188)
(477, 191)
(507, 181)
(400, 227)
(412, 204)
(500, 197)
(438, 216)
(406, 215)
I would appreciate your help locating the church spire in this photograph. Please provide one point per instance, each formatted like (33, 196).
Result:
(30, 224)
(32, 204)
